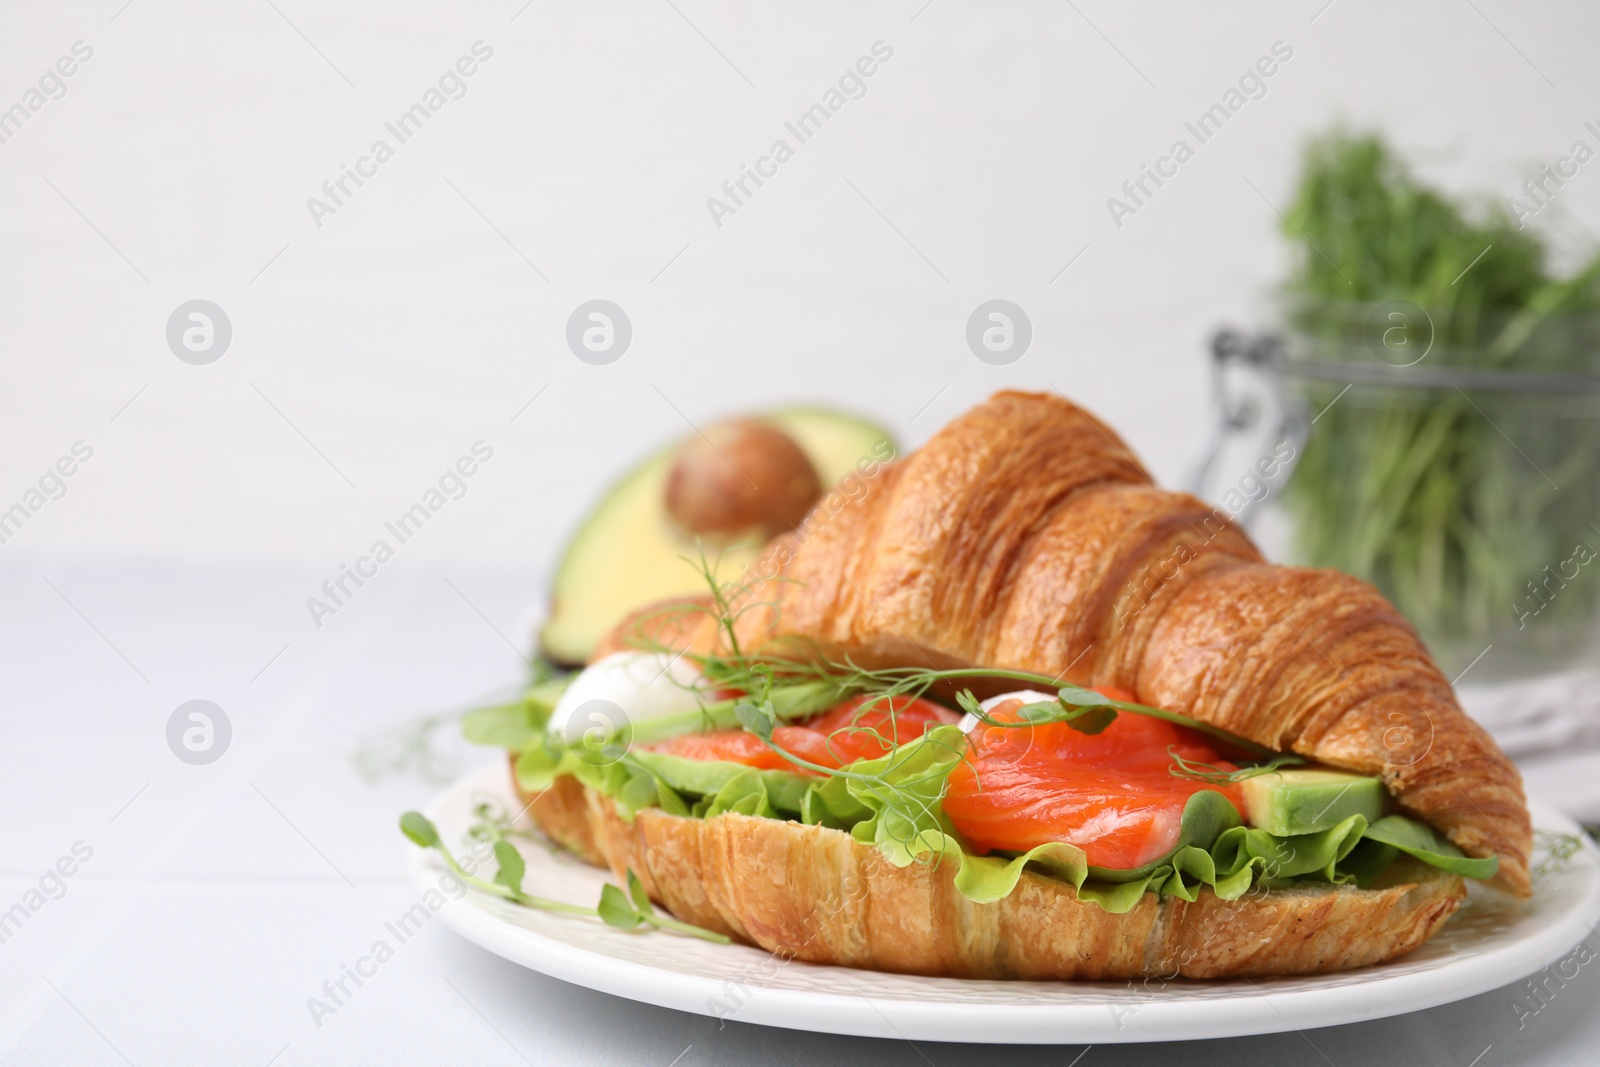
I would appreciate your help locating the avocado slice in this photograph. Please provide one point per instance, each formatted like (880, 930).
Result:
(1309, 800)
(627, 553)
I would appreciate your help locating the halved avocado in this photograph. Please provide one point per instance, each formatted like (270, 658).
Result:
(627, 553)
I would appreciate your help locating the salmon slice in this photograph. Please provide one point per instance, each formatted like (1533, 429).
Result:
(1110, 794)
(842, 734)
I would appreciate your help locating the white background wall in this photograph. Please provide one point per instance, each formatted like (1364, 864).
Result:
(406, 328)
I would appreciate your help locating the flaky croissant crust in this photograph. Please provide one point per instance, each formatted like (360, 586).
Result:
(1025, 535)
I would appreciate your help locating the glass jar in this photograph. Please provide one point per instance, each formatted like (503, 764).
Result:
(1453, 462)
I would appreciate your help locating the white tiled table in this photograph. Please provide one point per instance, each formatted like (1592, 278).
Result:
(222, 897)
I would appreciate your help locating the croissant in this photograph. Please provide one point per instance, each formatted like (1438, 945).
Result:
(1025, 535)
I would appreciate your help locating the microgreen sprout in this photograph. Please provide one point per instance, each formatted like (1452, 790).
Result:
(1083, 710)
(615, 909)
(629, 910)
(1211, 774)
(799, 688)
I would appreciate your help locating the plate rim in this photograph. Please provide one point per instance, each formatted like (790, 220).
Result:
(934, 1018)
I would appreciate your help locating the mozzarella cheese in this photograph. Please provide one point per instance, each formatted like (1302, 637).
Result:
(623, 689)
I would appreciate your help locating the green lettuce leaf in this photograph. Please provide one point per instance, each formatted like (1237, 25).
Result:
(894, 803)
(744, 793)
(705, 778)
(638, 780)
(1428, 845)
(514, 725)
(903, 790)
(827, 802)
(1368, 860)
(537, 765)
(612, 775)
(1280, 860)
(1181, 872)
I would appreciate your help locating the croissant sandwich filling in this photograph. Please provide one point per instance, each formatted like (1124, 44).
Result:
(1087, 786)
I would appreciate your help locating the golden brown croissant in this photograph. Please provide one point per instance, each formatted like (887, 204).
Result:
(1024, 535)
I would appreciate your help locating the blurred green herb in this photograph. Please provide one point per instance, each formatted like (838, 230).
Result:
(1553, 852)
(406, 747)
(1446, 499)
(412, 745)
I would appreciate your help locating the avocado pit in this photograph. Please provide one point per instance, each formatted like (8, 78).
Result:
(738, 479)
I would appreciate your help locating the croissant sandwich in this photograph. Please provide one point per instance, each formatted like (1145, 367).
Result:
(1011, 711)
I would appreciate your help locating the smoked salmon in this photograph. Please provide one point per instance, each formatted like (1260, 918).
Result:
(840, 735)
(1112, 794)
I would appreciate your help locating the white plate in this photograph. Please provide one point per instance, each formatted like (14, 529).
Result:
(1490, 942)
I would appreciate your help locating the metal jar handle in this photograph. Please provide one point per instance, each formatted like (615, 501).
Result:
(1236, 413)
